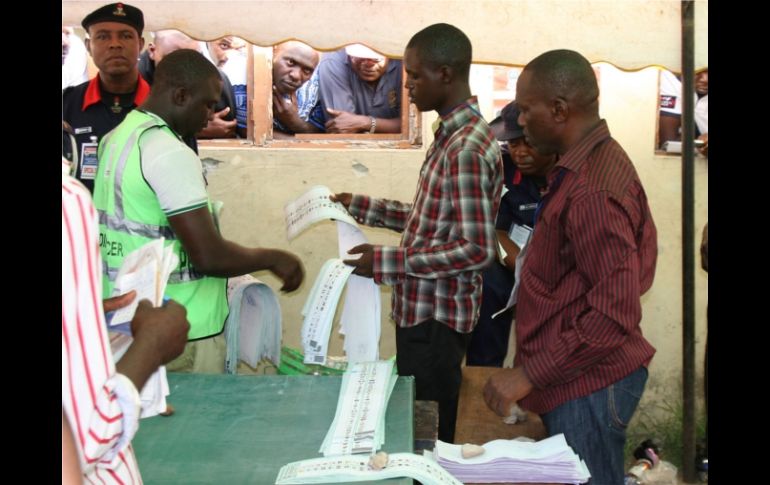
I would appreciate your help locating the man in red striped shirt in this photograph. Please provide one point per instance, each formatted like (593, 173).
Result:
(581, 360)
(100, 398)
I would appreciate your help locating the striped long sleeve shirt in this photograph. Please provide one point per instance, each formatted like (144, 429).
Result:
(101, 405)
(448, 231)
(591, 257)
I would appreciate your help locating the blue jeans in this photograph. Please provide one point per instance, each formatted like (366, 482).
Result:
(595, 426)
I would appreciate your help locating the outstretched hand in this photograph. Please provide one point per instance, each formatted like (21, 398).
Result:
(344, 198)
(364, 266)
(287, 267)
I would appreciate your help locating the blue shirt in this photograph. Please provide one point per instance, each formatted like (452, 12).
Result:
(343, 90)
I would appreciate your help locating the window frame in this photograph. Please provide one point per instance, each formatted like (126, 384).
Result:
(259, 82)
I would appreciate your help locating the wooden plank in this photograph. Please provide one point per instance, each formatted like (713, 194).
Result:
(477, 424)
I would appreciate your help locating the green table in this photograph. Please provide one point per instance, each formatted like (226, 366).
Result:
(234, 429)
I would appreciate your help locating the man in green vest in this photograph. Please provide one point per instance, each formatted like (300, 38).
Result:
(149, 184)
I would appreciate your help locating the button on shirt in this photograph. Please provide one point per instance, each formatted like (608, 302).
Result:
(449, 229)
(592, 256)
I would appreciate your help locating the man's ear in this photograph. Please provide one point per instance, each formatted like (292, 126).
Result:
(180, 95)
(560, 110)
(446, 73)
(151, 50)
(88, 45)
(141, 43)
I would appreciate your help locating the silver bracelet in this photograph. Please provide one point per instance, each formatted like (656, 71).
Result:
(374, 124)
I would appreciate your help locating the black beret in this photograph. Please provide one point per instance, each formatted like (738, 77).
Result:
(116, 12)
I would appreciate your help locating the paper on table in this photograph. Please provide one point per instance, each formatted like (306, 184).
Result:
(354, 468)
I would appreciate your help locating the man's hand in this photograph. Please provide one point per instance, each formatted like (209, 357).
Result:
(344, 122)
(365, 264)
(344, 198)
(163, 329)
(287, 267)
(218, 127)
(117, 302)
(506, 388)
(704, 150)
(286, 111)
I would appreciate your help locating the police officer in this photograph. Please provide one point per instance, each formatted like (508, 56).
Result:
(97, 106)
(524, 178)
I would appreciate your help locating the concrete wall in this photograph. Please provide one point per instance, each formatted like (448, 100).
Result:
(254, 184)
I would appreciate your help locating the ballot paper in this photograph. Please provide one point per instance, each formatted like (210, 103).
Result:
(355, 468)
(153, 394)
(547, 461)
(145, 270)
(359, 422)
(253, 327)
(361, 317)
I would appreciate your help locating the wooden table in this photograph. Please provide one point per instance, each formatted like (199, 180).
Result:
(478, 424)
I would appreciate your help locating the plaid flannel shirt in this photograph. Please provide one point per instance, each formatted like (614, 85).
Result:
(449, 229)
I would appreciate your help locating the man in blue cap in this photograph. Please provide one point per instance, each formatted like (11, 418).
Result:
(97, 106)
(524, 178)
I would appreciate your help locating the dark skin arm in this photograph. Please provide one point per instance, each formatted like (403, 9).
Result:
(116, 302)
(213, 255)
(218, 127)
(505, 388)
(285, 111)
(344, 122)
(160, 335)
(510, 247)
(668, 128)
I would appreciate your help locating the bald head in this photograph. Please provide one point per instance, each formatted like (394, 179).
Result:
(567, 75)
(167, 41)
(293, 64)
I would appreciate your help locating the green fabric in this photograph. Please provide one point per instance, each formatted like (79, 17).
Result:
(130, 216)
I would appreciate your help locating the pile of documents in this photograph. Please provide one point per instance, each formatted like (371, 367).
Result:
(547, 461)
(359, 422)
(253, 327)
(360, 320)
(145, 270)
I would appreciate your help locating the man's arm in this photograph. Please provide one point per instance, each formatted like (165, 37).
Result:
(346, 122)
(668, 127)
(287, 112)
(607, 259)
(213, 255)
(472, 194)
(510, 247)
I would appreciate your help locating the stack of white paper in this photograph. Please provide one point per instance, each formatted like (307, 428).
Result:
(146, 270)
(153, 394)
(548, 461)
(359, 423)
(253, 327)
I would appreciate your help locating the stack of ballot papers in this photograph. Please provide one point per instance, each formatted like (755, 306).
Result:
(253, 327)
(359, 423)
(153, 394)
(547, 461)
(146, 270)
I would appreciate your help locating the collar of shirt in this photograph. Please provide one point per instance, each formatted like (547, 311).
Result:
(459, 116)
(94, 93)
(575, 158)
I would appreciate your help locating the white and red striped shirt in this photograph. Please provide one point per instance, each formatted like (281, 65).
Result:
(101, 405)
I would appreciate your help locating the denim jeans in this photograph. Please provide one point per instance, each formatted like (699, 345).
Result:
(595, 426)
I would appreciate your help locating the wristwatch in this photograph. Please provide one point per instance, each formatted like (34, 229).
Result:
(374, 124)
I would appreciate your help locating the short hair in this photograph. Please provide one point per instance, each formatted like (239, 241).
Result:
(183, 68)
(443, 44)
(567, 74)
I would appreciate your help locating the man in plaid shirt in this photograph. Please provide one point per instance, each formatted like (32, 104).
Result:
(449, 230)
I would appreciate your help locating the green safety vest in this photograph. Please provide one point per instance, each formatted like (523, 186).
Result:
(130, 216)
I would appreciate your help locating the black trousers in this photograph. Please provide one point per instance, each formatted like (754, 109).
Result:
(433, 353)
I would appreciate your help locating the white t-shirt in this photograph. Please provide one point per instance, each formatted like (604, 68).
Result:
(173, 171)
(671, 100)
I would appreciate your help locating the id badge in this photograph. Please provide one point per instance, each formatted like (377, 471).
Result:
(88, 161)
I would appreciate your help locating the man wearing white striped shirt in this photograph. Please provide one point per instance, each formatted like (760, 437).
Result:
(99, 397)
